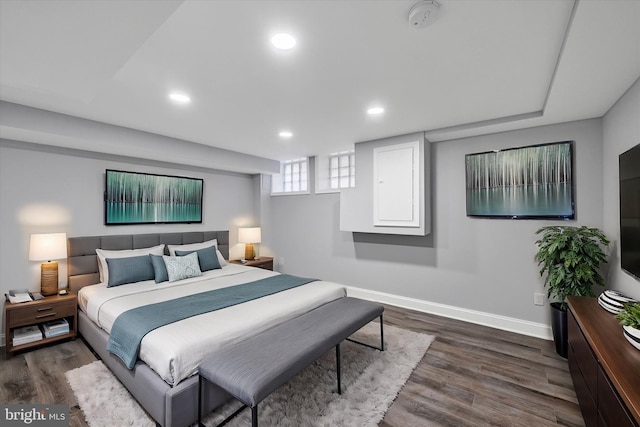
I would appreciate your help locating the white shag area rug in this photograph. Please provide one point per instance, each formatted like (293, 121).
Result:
(371, 380)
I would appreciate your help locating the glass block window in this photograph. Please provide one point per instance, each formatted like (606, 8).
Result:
(342, 170)
(293, 177)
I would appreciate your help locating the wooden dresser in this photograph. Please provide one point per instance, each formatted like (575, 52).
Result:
(605, 368)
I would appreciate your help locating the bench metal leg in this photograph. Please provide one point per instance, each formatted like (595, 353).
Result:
(200, 389)
(254, 416)
(381, 334)
(232, 416)
(381, 348)
(338, 369)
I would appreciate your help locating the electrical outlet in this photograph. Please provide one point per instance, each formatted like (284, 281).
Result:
(281, 259)
(538, 298)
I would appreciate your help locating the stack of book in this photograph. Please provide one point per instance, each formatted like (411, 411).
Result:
(55, 328)
(26, 335)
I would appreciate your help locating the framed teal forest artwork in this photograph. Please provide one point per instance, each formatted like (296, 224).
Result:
(522, 183)
(143, 198)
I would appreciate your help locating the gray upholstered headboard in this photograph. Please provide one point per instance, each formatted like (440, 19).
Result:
(82, 262)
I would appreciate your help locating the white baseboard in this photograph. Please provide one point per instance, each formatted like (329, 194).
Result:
(511, 324)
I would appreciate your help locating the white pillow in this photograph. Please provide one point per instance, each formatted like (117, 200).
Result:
(103, 268)
(182, 267)
(196, 246)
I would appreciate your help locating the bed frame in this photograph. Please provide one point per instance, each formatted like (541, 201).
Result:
(168, 406)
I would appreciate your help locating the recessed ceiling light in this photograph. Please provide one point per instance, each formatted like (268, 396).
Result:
(285, 134)
(375, 111)
(283, 41)
(179, 97)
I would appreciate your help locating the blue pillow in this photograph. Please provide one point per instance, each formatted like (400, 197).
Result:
(159, 268)
(129, 270)
(207, 258)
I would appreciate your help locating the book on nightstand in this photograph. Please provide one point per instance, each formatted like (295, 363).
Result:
(16, 296)
(55, 328)
(26, 334)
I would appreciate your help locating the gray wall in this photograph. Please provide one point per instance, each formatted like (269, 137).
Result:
(47, 189)
(477, 265)
(621, 131)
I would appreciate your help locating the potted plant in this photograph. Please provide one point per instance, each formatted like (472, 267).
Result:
(571, 258)
(630, 320)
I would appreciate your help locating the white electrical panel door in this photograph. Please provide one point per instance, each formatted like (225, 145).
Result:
(396, 185)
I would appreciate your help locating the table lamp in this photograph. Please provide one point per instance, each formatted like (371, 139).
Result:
(249, 236)
(48, 247)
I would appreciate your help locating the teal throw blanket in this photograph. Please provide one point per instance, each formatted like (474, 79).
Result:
(132, 325)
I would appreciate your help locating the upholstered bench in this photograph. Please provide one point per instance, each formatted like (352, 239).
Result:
(251, 369)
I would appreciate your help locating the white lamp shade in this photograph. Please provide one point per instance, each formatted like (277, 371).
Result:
(46, 247)
(249, 235)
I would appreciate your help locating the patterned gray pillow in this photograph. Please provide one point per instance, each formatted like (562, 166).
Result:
(182, 267)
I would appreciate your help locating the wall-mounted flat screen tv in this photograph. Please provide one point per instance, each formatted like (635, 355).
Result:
(143, 198)
(629, 163)
(534, 182)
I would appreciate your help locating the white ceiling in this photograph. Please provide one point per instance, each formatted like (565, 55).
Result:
(494, 64)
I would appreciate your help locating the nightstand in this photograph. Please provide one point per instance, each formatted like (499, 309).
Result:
(37, 312)
(262, 262)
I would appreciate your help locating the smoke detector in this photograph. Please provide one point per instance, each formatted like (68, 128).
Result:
(423, 14)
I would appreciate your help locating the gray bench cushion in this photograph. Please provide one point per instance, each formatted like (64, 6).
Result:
(250, 370)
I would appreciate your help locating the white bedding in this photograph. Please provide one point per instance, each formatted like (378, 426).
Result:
(175, 351)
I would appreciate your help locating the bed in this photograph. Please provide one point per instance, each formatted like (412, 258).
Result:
(162, 378)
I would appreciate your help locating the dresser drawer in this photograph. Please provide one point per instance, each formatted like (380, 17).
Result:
(29, 315)
(583, 356)
(612, 410)
(588, 406)
(266, 266)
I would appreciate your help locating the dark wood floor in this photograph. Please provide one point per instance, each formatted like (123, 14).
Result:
(37, 376)
(478, 376)
(471, 376)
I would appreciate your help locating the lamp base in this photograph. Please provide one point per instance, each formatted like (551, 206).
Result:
(248, 252)
(49, 278)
